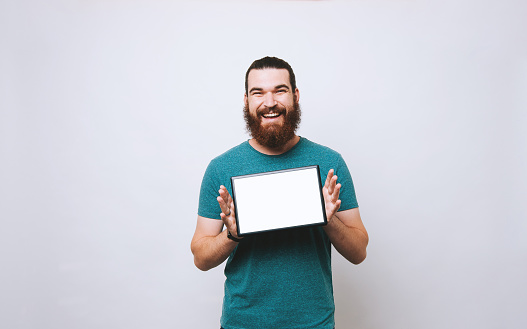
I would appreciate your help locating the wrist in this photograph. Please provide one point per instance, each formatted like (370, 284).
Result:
(332, 223)
(233, 238)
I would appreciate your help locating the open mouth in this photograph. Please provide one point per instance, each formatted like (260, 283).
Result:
(271, 115)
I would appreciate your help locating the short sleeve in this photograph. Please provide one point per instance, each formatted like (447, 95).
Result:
(208, 205)
(347, 190)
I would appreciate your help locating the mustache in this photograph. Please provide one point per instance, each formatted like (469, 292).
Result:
(275, 135)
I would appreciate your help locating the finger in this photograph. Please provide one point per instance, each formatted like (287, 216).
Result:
(226, 219)
(230, 209)
(332, 183)
(229, 222)
(328, 178)
(337, 205)
(223, 205)
(225, 194)
(336, 193)
(332, 209)
(227, 207)
(227, 199)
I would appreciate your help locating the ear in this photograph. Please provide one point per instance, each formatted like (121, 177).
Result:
(297, 95)
(244, 98)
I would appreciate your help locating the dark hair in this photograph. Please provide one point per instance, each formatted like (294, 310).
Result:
(271, 63)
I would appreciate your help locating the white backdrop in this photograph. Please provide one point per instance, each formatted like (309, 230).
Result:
(111, 110)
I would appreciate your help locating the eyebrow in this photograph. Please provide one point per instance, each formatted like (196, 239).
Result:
(282, 86)
(276, 87)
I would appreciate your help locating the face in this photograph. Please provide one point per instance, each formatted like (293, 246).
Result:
(271, 112)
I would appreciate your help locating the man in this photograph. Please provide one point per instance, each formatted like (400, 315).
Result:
(279, 279)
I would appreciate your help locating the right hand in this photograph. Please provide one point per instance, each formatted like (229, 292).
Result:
(227, 208)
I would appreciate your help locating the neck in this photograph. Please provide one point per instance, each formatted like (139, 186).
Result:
(274, 150)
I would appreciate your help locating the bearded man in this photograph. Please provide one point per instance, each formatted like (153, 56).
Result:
(279, 279)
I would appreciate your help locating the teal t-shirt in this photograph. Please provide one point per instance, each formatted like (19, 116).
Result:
(280, 279)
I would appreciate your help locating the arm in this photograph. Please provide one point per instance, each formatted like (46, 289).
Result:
(348, 235)
(345, 228)
(210, 244)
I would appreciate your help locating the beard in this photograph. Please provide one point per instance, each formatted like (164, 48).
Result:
(273, 135)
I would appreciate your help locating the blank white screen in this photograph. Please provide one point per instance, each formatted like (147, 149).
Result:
(278, 200)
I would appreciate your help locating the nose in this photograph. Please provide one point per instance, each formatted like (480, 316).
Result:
(269, 100)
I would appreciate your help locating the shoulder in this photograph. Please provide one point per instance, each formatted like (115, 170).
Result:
(233, 153)
(324, 156)
(234, 161)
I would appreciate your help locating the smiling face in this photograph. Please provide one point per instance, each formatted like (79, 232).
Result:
(271, 111)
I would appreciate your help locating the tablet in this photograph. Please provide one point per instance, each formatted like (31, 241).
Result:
(278, 200)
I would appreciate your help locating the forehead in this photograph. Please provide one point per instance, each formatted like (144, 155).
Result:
(268, 78)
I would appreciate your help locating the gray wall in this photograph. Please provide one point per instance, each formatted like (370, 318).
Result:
(111, 110)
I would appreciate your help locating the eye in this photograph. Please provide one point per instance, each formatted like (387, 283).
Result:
(281, 91)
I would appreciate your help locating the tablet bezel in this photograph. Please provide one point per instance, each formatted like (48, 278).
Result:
(322, 203)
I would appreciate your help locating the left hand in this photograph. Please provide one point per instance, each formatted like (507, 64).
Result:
(331, 191)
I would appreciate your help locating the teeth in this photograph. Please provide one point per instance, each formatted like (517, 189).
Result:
(271, 115)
